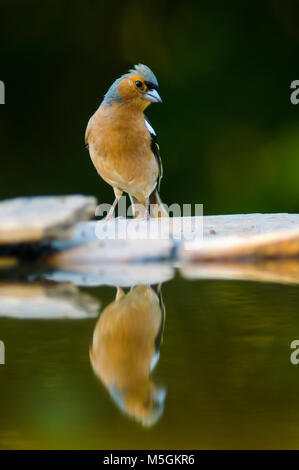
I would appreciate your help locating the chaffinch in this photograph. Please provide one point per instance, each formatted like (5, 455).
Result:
(125, 348)
(123, 145)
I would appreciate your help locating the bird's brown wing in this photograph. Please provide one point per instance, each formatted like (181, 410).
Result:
(155, 149)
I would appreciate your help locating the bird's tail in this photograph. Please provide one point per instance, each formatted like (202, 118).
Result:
(156, 206)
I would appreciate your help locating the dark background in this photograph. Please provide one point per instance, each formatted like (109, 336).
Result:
(228, 133)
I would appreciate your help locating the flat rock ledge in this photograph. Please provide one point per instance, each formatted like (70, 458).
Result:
(243, 238)
(56, 229)
(32, 219)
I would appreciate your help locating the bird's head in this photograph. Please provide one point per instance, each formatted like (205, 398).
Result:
(138, 87)
(144, 402)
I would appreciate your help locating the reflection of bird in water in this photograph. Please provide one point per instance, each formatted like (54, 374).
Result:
(125, 348)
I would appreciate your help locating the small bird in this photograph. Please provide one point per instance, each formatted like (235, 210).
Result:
(123, 145)
(125, 349)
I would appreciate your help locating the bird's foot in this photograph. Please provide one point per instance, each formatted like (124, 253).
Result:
(145, 218)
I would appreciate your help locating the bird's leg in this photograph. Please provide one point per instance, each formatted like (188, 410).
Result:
(119, 293)
(141, 208)
(147, 209)
(110, 214)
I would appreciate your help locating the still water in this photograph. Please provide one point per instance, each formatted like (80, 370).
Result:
(195, 364)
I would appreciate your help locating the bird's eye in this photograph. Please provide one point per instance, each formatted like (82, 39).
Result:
(138, 83)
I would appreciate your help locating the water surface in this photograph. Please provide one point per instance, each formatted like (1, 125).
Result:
(224, 367)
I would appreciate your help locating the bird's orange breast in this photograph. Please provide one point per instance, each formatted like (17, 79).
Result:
(120, 148)
(124, 339)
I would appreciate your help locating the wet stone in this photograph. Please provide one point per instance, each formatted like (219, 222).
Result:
(33, 219)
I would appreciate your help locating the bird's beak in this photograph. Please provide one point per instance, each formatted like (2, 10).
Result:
(153, 96)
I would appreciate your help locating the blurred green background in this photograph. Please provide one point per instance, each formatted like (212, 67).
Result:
(227, 130)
